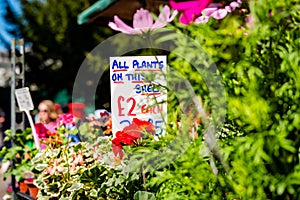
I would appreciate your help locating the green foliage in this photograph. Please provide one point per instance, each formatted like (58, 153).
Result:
(143, 195)
(187, 178)
(20, 154)
(259, 141)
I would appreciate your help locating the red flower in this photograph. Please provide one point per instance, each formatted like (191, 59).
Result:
(120, 140)
(117, 148)
(130, 134)
(133, 130)
(138, 127)
(125, 138)
(145, 125)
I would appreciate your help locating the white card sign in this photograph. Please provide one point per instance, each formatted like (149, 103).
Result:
(25, 104)
(138, 91)
(24, 99)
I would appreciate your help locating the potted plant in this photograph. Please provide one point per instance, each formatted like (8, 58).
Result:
(19, 156)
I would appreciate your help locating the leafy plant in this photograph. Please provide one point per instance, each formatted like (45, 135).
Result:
(83, 171)
(258, 143)
(19, 154)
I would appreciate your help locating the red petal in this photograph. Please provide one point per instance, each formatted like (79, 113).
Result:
(118, 151)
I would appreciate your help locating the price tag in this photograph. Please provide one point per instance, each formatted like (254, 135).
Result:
(138, 90)
(25, 104)
(24, 99)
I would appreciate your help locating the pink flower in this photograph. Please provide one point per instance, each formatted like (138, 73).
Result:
(206, 13)
(250, 21)
(52, 169)
(66, 119)
(235, 4)
(191, 9)
(77, 160)
(143, 21)
(214, 12)
(9, 189)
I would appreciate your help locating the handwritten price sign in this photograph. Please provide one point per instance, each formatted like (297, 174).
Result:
(138, 90)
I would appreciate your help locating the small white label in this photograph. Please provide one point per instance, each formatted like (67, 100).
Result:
(24, 99)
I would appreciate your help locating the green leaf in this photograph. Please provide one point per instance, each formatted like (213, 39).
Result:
(41, 167)
(281, 188)
(75, 186)
(94, 193)
(143, 195)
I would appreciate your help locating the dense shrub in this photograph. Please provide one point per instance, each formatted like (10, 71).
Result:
(259, 140)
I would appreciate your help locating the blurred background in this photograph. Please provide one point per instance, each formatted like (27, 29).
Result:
(58, 35)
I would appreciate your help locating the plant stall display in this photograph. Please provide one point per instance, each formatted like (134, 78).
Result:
(242, 55)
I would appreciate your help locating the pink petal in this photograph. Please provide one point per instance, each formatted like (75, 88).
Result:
(202, 19)
(208, 11)
(219, 14)
(173, 16)
(180, 6)
(142, 20)
(250, 21)
(119, 25)
(165, 14)
(190, 14)
(214, 5)
(60, 168)
(234, 5)
(185, 19)
(203, 4)
(52, 171)
(164, 18)
(228, 9)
